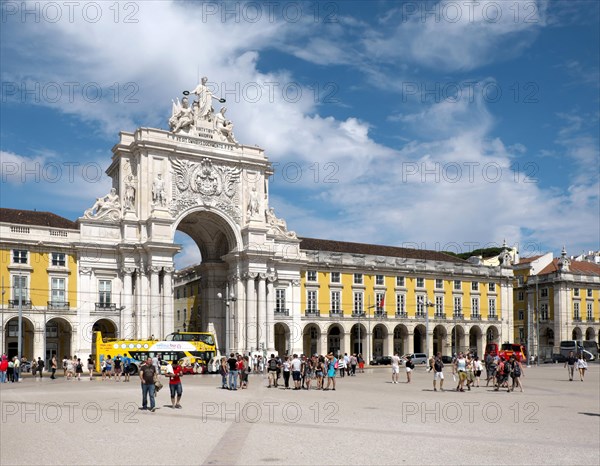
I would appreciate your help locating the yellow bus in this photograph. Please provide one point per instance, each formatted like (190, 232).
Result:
(188, 348)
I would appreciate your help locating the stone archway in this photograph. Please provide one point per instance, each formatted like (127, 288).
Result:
(380, 337)
(58, 339)
(358, 339)
(458, 343)
(440, 340)
(401, 339)
(335, 339)
(311, 339)
(420, 338)
(282, 339)
(590, 333)
(576, 334)
(11, 339)
(476, 340)
(492, 335)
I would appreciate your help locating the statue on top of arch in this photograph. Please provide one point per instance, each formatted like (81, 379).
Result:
(200, 118)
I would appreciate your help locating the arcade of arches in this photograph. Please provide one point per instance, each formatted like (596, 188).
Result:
(384, 339)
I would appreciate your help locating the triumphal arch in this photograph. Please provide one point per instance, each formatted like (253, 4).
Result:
(198, 179)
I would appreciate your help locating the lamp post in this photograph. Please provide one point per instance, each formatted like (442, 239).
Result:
(20, 331)
(427, 304)
(227, 300)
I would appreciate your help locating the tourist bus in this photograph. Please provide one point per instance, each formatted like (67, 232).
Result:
(191, 347)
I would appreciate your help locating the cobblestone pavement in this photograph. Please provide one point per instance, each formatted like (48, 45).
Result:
(367, 420)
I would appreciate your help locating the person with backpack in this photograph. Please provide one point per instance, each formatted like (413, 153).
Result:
(517, 373)
(332, 366)
(438, 367)
(504, 370)
(272, 366)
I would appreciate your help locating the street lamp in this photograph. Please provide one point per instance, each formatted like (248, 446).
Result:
(425, 302)
(227, 300)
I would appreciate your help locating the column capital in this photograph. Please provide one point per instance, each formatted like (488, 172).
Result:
(272, 277)
(262, 276)
(169, 269)
(250, 275)
(85, 270)
(154, 269)
(127, 270)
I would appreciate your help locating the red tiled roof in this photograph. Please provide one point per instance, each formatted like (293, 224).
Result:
(313, 244)
(580, 267)
(33, 217)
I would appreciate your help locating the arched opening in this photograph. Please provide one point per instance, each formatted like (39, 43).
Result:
(458, 339)
(311, 338)
(576, 334)
(58, 339)
(590, 334)
(476, 341)
(358, 338)
(400, 339)
(205, 297)
(440, 340)
(420, 339)
(380, 335)
(335, 339)
(546, 343)
(11, 338)
(492, 335)
(282, 339)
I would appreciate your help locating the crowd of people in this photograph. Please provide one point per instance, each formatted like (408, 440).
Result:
(298, 372)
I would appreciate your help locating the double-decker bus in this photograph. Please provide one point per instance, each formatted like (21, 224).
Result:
(191, 347)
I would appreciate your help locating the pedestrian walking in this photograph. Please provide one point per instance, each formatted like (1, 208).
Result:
(53, 367)
(148, 377)
(581, 366)
(174, 372)
(395, 368)
(438, 374)
(570, 365)
(332, 364)
(90, 366)
(286, 369)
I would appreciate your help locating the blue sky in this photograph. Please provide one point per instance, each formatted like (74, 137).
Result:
(442, 125)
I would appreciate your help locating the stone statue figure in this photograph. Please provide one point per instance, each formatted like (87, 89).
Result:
(205, 97)
(159, 195)
(130, 193)
(253, 203)
(278, 225)
(182, 116)
(224, 126)
(106, 206)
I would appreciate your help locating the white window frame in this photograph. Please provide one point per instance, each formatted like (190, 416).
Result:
(336, 302)
(420, 309)
(378, 298)
(400, 303)
(20, 256)
(492, 287)
(311, 300)
(544, 293)
(457, 286)
(20, 292)
(358, 279)
(589, 311)
(400, 281)
(311, 276)
(103, 292)
(474, 286)
(457, 301)
(520, 296)
(56, 298)
(576, 311)
(422, 280)
(491, 306)
(379, 280)
(280, 300)
(338, 275)
(475, 306)
(575, 291)
(58, 259)
(358, 302)
(544, 311)
(439, 305)
(439, 284)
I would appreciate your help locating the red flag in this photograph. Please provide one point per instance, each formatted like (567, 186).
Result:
(382, 302)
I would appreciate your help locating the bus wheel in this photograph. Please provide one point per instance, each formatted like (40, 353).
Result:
(133, 369)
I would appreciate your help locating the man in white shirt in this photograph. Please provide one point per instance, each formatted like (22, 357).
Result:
(296, 366)
(395, 367)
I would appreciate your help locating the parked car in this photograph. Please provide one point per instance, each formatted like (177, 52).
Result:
(447, 359)
(381, 361)
(213, 365)
(417, 358)
(25, 367)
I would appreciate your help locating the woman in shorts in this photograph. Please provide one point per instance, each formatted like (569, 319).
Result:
(70, 368)
(409, 368)
(319, 367)
(581, 366)
(309, 372)
(478, 368)
(78, 369)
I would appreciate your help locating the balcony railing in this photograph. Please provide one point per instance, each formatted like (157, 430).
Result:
(62, 305)
(14, 303)
(493, 317)
(337, 313)
(590, 319)
(439, 315)
(577, 319)
(282, 312)
(312, 313)
(420, 314)
(475, 316)
(401, 315)
(106, 307)
(381, 314)
(458, 315)
(358, 313)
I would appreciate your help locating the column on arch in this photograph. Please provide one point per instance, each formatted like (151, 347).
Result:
(251, 316)
(389, 343)
(270, 321)
(262, 311)
(154, 305)
(238, 312)
(143, 304)
(168, 311)
(127, 329)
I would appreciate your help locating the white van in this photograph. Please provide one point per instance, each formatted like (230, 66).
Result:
(566, 346)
